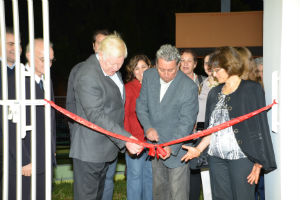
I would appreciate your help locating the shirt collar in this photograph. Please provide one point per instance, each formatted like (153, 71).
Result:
(10, 67)
(162, 82)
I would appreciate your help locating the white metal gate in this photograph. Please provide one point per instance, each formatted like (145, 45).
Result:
(19, 104)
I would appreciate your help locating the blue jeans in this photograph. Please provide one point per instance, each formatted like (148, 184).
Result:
(109, 181)
(139, 177)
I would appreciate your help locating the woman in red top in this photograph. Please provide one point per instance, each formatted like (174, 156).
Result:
(139, 168)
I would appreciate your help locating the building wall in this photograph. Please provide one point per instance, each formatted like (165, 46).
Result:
(281, 43)
(202, 30)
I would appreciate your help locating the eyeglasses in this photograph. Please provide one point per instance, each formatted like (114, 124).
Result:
(216, 70)
(43, 60)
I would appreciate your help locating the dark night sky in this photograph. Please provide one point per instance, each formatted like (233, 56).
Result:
(144, 25)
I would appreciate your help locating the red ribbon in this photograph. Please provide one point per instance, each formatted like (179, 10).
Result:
(157, 149)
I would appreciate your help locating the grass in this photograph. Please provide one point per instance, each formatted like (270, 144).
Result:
(64, 191)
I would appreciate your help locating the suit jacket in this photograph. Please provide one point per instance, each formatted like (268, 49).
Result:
(253, 134)
(10, 92)
(70, 101)
(175, 116)
(98, 100)
(40, 134)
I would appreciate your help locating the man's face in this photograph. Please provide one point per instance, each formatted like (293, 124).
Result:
(39, 60)
(109, 64)
(96, 44)
(167, 70)
(10, 49)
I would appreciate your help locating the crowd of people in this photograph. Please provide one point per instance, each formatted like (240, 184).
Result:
(155, 103)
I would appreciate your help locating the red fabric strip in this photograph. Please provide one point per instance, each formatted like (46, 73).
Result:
(157, 149)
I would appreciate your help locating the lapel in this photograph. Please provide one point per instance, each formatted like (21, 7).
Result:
(156, 88)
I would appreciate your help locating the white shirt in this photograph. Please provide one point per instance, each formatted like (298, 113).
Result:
(115, 79)
(163, 88)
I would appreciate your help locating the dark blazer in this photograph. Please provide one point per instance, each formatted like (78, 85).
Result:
(40, 134)
(253, 134)
(70, 101)
(10, 93)
(174, 117)
(98, 100)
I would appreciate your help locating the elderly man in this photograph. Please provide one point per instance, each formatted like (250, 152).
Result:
(98, 36)
(99, 94)
(40, 131)
(167, 109)
(10, 61)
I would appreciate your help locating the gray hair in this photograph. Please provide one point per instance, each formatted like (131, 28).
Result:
(259, 61)
(168, 52)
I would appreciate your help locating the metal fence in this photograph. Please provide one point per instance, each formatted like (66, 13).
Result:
(19, 104)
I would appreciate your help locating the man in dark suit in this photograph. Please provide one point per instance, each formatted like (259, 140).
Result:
(167, 109)
(98, 36)
(10, 61)
(40, 131)
(99, 94)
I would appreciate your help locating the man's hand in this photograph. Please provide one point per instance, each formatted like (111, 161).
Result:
(169, 151)
(254, 175)
(152, 135)
(26, 170)
(132, 147)
(193, 152)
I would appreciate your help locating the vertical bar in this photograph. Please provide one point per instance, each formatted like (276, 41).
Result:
(32, 97)
(18, 94)
(4, 97)
(225, 5)
(48, 156)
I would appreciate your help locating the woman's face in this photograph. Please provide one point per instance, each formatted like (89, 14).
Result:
(139, 70)
(187, 63)
(220, 74)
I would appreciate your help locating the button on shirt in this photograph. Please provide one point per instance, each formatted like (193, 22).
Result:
(163, 88)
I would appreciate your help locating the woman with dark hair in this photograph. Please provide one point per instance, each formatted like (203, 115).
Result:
(237, 153)
(139, 168)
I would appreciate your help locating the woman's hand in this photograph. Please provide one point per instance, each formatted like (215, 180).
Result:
(254, 175)
(193, 152)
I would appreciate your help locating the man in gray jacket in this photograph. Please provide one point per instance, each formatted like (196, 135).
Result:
(99, 94)
(167, 109)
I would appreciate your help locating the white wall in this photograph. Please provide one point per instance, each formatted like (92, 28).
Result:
(282, 54)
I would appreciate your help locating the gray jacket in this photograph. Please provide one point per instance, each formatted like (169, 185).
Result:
(98, 100)
(175, 116)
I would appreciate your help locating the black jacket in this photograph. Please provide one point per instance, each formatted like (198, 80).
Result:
(253, 134)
